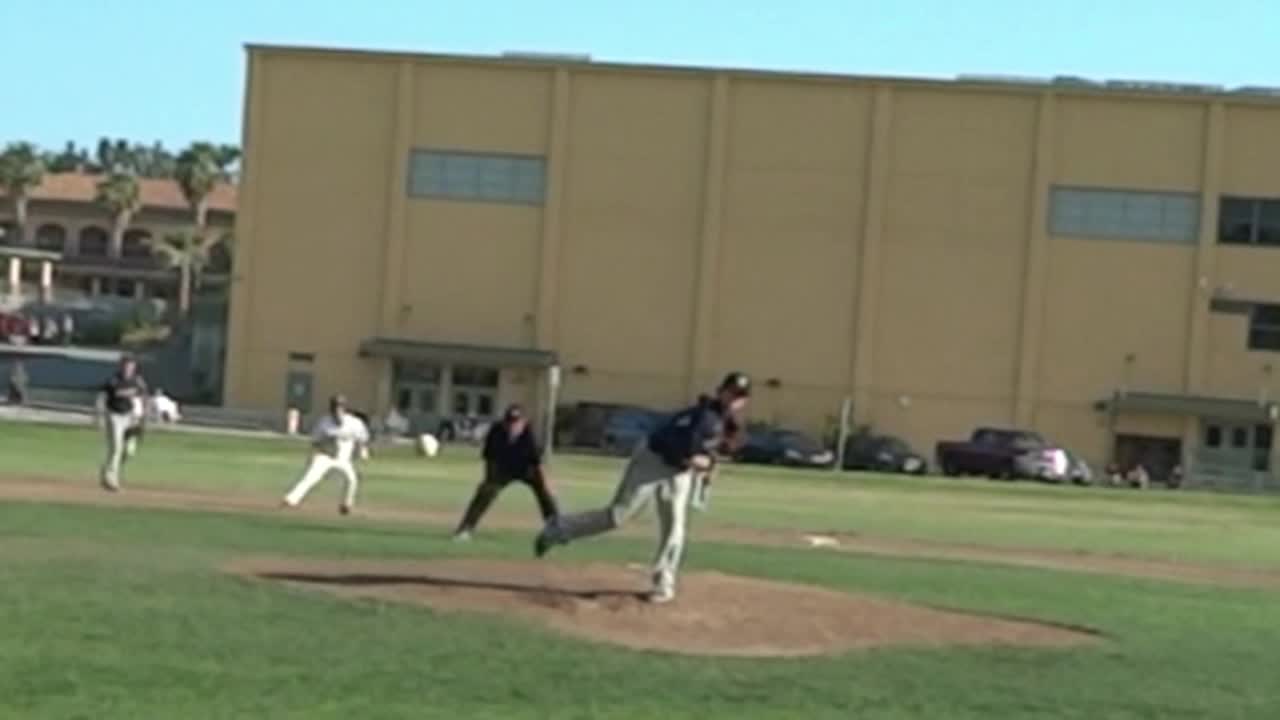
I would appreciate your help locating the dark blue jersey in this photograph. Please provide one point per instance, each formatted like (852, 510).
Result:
(515, 457)
(696, 430)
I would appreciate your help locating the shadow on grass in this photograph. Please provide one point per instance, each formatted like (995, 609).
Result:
(382, 579)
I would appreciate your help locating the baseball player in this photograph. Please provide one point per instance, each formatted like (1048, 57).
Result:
(335, 439)
(673, 464)
(122, 402)
(510, 454)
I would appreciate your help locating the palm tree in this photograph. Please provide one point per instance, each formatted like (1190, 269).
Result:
(188, 252)
(200, 168)
(120, 194)
(21, 171)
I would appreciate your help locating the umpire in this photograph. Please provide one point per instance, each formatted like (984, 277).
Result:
(510, 453)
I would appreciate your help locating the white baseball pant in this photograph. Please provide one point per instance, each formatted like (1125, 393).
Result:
(320, 466)
(646, 478)
(120, 445)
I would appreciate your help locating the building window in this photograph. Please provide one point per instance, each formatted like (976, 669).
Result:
(1249, 221)
(1264, 328)
(52, 238)
(415, 371)
(474, 376)
(94, 242)
(477, 177)
(1124, 214)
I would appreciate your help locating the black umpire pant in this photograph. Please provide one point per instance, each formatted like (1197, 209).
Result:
(495, 481)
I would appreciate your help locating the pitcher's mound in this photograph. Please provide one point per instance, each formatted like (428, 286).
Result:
(715, 614)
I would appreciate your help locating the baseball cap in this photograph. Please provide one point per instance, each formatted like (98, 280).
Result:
(738, 383)
(513, 413)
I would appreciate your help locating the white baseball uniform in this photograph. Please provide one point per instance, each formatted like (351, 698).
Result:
(334, 441)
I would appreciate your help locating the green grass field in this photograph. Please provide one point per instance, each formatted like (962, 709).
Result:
(112, 611)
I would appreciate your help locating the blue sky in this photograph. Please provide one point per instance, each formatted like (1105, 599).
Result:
(163, 70)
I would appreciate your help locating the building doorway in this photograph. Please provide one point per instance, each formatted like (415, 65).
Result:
(1234, 446)
(1158, 455)
(475, 392)
(415, 391)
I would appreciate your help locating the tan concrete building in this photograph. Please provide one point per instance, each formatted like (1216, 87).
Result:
(1089, 262)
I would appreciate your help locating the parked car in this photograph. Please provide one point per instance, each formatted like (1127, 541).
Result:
(882, 453)
(627, 426)
(1004, 454)
(1078, 470)
(783, 447)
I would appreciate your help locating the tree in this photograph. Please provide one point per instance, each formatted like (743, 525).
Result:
(21, 171)
(188, 253)
(152, 162)
(120, 194)
(200, 169)
(70, 159)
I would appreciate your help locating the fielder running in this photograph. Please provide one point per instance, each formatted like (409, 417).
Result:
(510, 454)
(335, 439)
(673, 464)
(123, 399)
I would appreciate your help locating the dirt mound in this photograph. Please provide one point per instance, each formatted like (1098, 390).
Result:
(715, 614)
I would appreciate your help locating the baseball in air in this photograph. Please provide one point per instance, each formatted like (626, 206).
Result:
(428, 445)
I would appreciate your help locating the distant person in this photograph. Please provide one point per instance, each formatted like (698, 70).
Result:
(396, 423)
(68, 329)
(18, 383)
(123, 397)
(1138, 477)
(335, 439)
(50, 330)
(511, 454)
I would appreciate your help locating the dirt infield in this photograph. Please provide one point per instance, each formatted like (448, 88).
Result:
(715, 614)
(52, 490)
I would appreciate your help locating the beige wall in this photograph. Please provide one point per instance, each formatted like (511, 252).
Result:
(312, 254)
(632, 218)
(833, 235)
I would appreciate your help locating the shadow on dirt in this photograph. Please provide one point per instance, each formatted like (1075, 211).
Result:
(384, 580)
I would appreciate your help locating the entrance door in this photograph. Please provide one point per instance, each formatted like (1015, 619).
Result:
(415, 390)
(475, 392)
(414, 399)
(1235, 449)
(297, 391)
(1158, 455)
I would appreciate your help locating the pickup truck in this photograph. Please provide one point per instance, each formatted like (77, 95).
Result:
(1004, 454)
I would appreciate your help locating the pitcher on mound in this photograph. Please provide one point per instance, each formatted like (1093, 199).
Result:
(672, 465)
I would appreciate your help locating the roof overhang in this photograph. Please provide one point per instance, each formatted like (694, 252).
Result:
(457, 354)
(1219, 408)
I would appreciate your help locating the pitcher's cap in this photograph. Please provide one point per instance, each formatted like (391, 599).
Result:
(738, 383)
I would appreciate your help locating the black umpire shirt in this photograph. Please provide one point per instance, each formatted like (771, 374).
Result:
(696, 430)
(514, 457)
(122, 391)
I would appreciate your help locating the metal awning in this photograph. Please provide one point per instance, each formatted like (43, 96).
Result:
(457, 354)
(1220, 408)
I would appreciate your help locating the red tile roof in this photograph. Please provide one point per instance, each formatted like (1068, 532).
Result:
(79, 187)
